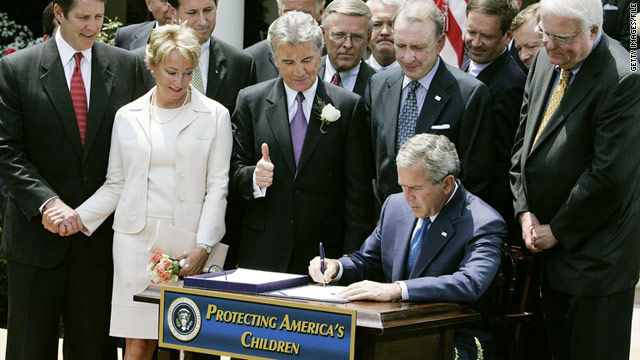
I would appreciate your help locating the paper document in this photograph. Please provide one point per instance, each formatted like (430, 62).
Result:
(312, 292)
(248, 276)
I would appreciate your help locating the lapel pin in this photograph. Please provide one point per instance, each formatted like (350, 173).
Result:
(443, 234)
(438, 98)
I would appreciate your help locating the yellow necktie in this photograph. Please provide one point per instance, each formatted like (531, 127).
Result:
(196, 80)
(556, 97)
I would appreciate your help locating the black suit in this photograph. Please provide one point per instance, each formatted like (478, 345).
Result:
(265, 65)
(41, 156)
(364, 73)
(617, 20)
(582, 178)
(134, 36)
(327, 198)
(506, 86)
(454, 99)
(513, 51)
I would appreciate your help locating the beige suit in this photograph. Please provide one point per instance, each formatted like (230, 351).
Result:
(203, 150)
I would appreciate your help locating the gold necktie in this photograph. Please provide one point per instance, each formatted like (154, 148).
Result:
(556, 97)
(196, 80)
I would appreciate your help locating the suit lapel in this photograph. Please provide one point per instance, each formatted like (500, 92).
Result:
(322, 69)
(101, 84)
(55, 85)
(404, 229)
(217, 69)
(142, 36)
(545, 73)
(439, 233)
(278, 120)
(581, 86)
(313, 135)
(437, 97)
(393, 93)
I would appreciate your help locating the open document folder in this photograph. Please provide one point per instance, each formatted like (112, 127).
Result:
(315, 292)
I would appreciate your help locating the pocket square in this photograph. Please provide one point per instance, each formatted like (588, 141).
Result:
(441, 127)
(609, 7)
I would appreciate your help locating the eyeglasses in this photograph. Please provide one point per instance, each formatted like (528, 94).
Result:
(562, 38)
(356, 39)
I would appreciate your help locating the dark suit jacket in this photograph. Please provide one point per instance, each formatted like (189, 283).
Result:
(134, 36)
(327, 198)
(459, 257)
(40, 151)
(230, 70)
(513, 51)
(265, 65)
(506, 86)
(617, 20)
(364, 74)
(454, 99)
(41, 156)
(582, 176)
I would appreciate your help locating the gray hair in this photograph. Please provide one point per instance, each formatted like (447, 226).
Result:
(294, 27)
(319, 4)
(530, 12)
(395, 3)
(419, 11)
(587, 11)
(347, 7)
(436, 153)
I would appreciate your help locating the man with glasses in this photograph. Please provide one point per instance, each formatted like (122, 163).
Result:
(575, 180)
(346, 27)
(426, 95)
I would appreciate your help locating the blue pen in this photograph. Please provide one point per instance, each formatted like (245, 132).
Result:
(321, 259)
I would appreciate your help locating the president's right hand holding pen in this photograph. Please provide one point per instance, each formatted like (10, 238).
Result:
(331, 269)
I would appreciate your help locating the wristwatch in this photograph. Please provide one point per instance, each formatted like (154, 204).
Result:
(206, 247)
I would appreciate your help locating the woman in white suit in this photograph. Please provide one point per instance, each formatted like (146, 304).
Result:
(169, 161)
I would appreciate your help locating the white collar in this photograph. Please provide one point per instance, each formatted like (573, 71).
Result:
(67, 52)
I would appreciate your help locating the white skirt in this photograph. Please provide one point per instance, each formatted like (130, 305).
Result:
(132, 319)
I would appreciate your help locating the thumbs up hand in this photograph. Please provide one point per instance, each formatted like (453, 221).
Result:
(264, 169)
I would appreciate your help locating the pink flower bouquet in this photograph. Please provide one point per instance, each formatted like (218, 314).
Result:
(162, 268)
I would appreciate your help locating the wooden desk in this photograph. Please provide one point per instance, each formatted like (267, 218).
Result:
(390, 330)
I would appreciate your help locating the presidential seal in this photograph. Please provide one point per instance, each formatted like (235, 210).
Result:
(184, 319)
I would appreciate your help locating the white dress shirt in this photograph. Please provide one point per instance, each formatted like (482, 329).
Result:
(347, 78)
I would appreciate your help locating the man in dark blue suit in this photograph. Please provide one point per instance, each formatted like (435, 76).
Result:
(486, 38)
(439, 243)
(426, 95)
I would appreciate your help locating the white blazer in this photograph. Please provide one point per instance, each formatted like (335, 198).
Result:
(203, 153)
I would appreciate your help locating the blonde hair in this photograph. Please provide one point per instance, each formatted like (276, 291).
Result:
(167, 38)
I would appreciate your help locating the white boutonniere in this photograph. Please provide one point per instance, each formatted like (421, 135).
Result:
(326, 112)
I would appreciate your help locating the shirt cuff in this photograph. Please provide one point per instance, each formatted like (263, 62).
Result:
(258, 192)
(405, 291)
(45, 203)
(340, 272)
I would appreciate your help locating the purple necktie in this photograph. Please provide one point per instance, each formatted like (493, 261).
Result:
(298, 129)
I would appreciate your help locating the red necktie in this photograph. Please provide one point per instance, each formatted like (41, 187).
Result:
(335, 80)
(79, 97)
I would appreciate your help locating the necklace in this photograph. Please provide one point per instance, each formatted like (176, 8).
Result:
(153, 104)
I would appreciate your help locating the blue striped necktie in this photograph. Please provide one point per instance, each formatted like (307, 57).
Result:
(416, 244)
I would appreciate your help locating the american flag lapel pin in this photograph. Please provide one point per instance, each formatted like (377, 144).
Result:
(438, 98)
(444, 234)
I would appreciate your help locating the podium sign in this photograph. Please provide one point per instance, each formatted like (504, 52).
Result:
(253, 327)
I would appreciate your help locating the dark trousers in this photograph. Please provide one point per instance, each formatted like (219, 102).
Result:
(77, 291)
(588, 327)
